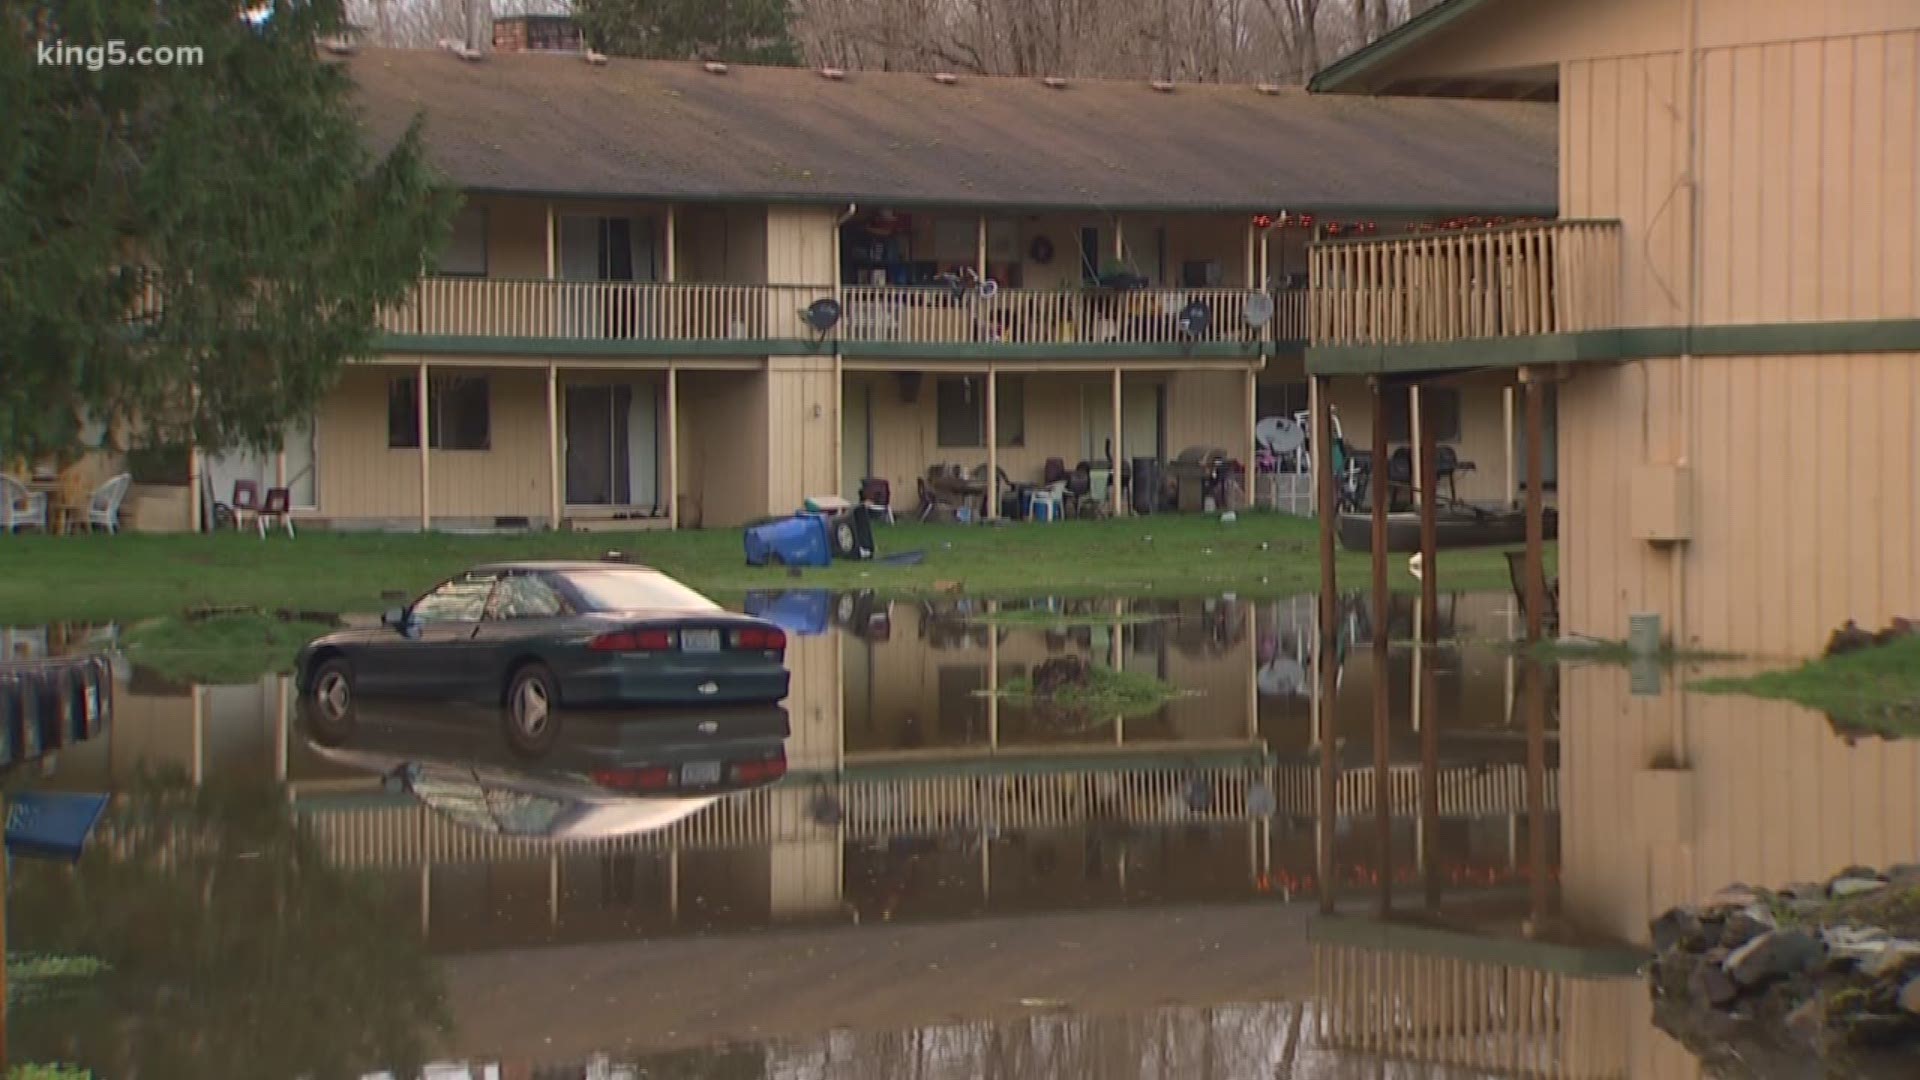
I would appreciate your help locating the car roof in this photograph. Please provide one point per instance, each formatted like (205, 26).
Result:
(561, 565)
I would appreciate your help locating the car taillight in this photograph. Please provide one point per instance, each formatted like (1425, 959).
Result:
(651, 778)
(755, 772)
(760, 637)
(632, 641)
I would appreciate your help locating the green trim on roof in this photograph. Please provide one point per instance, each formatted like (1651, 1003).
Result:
(1576, 961)
(1640, 343)
(1335, 76)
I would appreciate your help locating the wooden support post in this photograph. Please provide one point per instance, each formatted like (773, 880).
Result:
(673, 446)
(1252, 256)
(1414, 421)
(1252, 444)
(1326, 652)
(1512, 488)
(980, 248)
(553, 446)
(423, 418)
(1382, 683)
(993, 444)
(670, 264)
(1429, 637)
(1119, 449)
(1536, 525)
(553, 239)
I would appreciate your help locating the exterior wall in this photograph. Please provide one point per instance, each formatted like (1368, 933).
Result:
(1766, 573)
(801, 422)
(724, 442)
(799, 248)
(1208, 408)
(1810, 174)
(360, 478)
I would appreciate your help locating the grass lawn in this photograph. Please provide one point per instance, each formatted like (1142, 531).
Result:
(224, 649)
(102, 578)
(1874, 690)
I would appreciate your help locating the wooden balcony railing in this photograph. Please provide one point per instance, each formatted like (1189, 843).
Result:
(1520, 280)
(634, 311)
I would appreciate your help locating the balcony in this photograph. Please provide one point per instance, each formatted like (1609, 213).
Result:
(616, 317)
(1518, 281)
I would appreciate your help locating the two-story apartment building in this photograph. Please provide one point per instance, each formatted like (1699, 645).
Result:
(1728, 315)
(998, 270)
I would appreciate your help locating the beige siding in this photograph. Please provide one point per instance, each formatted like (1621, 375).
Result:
(723, 446)
(1806, 497)
(800, 424)
(800, 245)
(1208, 408)
(359, 477)
(1482, 436)
(1809, 163)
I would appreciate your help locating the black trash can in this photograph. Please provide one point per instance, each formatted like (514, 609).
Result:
(1146, 485)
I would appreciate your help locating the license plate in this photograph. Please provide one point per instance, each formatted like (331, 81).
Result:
(699, 641)
(700, 772)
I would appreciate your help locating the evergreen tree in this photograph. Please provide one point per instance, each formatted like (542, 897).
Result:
(190, 251)
(742, 31)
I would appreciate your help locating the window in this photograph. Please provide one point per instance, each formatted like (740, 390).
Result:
(634, 590)
(526, 596)
(962, 405)
(457, 413)
(1442, 408)
(459, 600)
(465, 252)
(1091, 253)
(1286, 399)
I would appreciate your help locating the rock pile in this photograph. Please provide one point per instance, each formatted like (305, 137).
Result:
(1813, 969)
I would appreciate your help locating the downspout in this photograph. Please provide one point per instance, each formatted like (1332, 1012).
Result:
(839, 434)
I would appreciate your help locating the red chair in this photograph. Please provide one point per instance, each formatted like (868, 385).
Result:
(877, 496)
(246, 503)
(279, 506)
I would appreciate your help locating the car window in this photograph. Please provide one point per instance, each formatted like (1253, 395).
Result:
(634, 590)
(525, 596)
(461, 600)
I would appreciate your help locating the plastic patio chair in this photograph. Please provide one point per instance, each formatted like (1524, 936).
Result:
(103, 507)
(20, 506)
(245, 504)
(279, 506)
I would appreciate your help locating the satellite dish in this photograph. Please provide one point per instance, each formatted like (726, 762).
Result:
(822, 314)
(989, 289)
(1195, 318)
(1259, 309)
(1280, 434)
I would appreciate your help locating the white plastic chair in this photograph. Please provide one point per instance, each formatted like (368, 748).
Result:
(21, 507)
(103, 509)
(1053, 496)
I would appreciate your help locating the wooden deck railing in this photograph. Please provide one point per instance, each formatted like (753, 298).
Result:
(1519, 280)
(633, 311)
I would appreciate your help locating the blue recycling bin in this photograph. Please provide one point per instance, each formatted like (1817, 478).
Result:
(802, 540)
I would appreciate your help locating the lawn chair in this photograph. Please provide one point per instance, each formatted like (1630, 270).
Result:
(21, 507)
(1446, 466)
(877, 496)
(279, 507)
(246, 503)
(1549, 587)
(103, 507)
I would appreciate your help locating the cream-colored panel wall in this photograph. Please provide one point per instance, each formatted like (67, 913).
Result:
(746, 247)
(724, 446)
(1806, 497)
(800, 427)
(1810, 178)
(1525, 34)
(1208, 408)
(800, 245)
(516, 237)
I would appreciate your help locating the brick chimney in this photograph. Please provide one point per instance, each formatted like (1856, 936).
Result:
(537, 33)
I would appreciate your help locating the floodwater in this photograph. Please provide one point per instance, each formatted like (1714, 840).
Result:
(940, 881)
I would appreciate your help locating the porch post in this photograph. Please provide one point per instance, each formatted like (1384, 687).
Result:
(1536, 525)
(1253, 441)
(1429, 636)
(1416, 421)
(993, 445)
(1512, 488)
(420, 403)
(1119, 504)
(980, 247)
(1379, 496)
(1325, 654)
(669, 264)
(673, 446)
(553, 446)
(552, 239)
(1252, 249)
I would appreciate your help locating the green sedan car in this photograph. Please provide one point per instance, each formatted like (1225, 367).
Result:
(532, 638)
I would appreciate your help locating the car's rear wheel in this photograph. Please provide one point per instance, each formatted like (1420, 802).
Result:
(332, 701)
(532, 710)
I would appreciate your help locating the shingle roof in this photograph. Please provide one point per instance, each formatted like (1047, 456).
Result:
(557, 125)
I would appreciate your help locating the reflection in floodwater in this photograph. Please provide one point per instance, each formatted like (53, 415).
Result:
(1519, 824)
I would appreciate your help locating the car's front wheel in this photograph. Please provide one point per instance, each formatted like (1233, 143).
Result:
(532, 711)
(332, 701)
